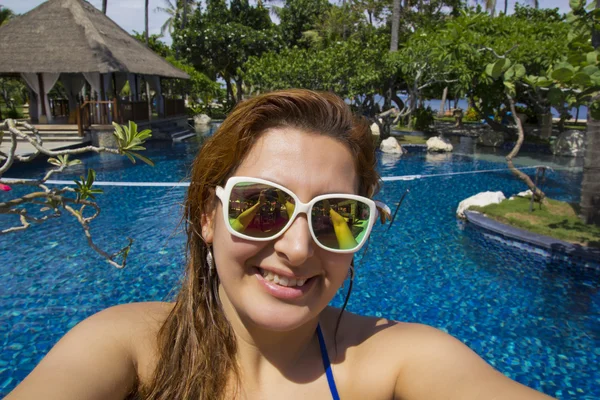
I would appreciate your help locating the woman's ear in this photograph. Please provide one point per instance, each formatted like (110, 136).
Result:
(208, 227)
(208, 219)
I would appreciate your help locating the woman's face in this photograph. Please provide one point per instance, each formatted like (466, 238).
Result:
(309, 165)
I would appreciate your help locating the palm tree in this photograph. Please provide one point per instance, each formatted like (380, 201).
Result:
(489, 5)
(173, 8)
(5, 15)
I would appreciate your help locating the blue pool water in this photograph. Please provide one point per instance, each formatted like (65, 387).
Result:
(534, 317)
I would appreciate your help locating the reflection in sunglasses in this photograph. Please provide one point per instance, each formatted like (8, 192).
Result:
(262, 211)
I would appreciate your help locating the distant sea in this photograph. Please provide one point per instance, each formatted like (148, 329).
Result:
(462, 103)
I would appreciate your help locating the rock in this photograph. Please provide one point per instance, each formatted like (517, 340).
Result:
(570, 143)
(375, 129)
(202, 119)
(480, 199)
(527, 193)
(438, 144)
(391, 145)
(491, 139)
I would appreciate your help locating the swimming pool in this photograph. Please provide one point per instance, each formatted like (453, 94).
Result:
(534, 317)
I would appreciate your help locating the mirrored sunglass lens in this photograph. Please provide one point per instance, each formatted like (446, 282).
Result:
(340, 224)
(259, 210)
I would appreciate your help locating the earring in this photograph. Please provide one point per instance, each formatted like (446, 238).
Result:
(210, 261)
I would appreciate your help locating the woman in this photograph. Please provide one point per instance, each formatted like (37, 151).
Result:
(252, 319)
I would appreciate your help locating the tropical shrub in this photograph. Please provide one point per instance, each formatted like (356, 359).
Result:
(422, 118)
(13, 113)
(472, 115)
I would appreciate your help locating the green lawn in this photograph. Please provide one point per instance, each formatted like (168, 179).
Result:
(556, 219)
(576, 127)
(453, 120)
(409, 139)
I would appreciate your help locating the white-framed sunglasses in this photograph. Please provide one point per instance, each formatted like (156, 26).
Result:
(260, 210)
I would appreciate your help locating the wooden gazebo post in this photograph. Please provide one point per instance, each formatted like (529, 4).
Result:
(115, 100)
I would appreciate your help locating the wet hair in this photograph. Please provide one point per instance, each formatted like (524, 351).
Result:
(196, 344)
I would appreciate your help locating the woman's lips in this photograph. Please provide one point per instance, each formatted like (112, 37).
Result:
(284, 292)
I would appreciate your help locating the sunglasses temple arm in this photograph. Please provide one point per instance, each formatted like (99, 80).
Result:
(397, 208)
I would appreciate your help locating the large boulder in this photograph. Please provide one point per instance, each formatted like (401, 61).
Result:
(202, 119)
(490, 138)
(438, 144)
(570, 143)
(526, 193)
(480, 199)
(375, 129)
(391, 145)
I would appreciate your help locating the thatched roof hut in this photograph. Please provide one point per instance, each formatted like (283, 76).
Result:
(65, 36)
(72, 41)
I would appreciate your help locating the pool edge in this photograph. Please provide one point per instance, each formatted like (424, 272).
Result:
(545, 242)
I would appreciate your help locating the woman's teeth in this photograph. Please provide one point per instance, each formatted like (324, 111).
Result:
(282, 280)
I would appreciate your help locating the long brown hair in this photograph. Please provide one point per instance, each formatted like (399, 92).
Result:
(196, 344)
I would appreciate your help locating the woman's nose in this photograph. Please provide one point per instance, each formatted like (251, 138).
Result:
(296, 244)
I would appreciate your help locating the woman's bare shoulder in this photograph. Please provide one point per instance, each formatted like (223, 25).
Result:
(419, 361)
(361, 330)
(140, 325)
(136, 316)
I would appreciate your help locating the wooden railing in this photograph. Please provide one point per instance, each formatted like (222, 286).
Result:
(93, 112)
(133, 111)
(174, 107)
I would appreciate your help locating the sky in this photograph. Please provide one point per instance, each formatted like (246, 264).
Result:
(129, 14)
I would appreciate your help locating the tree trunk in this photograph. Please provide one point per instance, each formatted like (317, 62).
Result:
(229, 89)
(391, 85)
(240, 90)
(104, 4)
(344, 20)
(149, 99)
(146, 22)
(443, 102)
(185, 14)
(395, 25)
(538, 195)
(590, 187)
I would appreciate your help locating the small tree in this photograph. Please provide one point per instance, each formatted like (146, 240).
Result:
(51, 202)
(508, 74)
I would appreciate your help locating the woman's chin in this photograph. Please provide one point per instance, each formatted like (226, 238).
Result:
(279, 318)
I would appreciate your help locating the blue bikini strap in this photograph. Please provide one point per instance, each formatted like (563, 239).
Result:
(327, 365)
